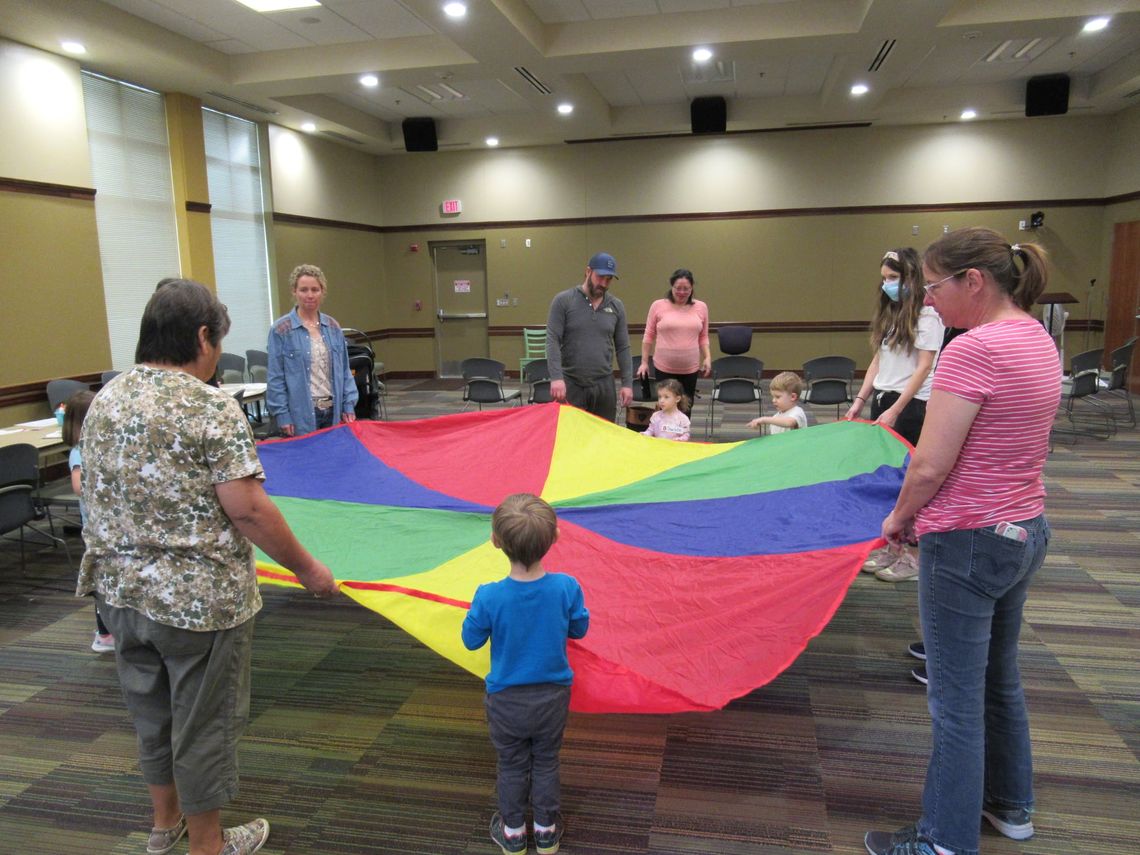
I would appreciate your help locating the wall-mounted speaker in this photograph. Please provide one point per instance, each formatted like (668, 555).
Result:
(1047, 95)
(419, 135)
(708, 114)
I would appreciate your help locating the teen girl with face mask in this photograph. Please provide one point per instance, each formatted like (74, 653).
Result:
(905, 337)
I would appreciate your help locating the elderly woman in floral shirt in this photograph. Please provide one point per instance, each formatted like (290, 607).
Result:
(172, 486)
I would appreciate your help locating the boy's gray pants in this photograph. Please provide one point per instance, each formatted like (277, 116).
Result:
(526, 724)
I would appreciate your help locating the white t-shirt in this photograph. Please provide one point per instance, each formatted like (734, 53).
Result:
(797, 413)
(897, 365)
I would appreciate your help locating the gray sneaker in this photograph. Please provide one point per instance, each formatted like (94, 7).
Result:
(245, 839)
(546, 842)
(1014, 823)
(162, 840)
(510, 844)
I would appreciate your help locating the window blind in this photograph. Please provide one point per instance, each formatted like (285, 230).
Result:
(134, 202)
(237, 224)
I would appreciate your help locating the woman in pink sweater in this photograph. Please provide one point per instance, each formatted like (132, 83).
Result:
(677, 335)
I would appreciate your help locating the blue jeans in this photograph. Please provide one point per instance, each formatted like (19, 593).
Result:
(972, 586)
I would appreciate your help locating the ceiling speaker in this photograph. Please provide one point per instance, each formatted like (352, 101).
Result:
(1047, 95)
(708, 115)
(419, 135)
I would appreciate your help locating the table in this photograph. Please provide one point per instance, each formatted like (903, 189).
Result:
(251, 393)
(44, 434)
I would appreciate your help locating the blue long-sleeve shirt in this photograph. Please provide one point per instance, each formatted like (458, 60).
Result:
(528, 624)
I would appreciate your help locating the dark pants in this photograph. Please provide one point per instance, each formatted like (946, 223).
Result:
(909, 423)
(688, 383)
(526, 724)
(323, 417)
(594, 396)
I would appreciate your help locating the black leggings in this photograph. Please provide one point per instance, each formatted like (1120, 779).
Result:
(909, 423)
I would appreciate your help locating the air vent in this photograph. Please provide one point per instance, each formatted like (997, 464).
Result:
(532, 80)
(333, 135)
(710, 72)
(265, 111)
(881, 57)
(1019, 50)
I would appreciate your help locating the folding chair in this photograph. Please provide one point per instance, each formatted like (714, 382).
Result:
(828, 380)
(534, 347)
(483, 383)
(736, 380)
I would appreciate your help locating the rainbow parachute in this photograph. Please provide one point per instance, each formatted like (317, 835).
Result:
(706, 568)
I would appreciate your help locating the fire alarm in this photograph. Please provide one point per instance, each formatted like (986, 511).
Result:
(413, 247)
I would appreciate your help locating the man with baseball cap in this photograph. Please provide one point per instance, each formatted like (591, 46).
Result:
(585, 329)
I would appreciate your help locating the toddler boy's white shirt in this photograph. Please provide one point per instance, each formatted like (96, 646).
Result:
(797, 413)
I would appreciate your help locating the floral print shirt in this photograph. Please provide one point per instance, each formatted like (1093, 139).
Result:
(155, 443)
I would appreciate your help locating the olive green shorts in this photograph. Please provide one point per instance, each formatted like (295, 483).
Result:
(188, 695)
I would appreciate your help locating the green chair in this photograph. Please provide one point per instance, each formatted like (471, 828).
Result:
(534, 347)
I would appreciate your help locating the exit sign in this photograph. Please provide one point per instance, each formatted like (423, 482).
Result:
(451, 206)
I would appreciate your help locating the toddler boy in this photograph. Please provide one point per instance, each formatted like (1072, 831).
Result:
(527, 616)
(786, 388)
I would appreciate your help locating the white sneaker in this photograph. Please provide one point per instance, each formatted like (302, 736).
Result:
(103, 643)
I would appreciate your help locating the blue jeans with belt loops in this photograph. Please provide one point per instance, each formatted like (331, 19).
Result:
(972, 589)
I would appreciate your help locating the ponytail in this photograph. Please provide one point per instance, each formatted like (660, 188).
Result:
(1033, 276)
(1020, 270)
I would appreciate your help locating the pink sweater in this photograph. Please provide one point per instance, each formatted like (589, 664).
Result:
(679, 332)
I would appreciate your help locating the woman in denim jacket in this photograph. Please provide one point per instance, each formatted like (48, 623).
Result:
(309, 384)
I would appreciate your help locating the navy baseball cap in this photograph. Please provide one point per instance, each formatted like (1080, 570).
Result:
(603, 264)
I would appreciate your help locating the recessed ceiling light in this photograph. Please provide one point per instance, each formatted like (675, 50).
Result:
(73, 47)
(308, 127)
(278, 5)
(969, 114)
(455, 10)
(702, 54)
(565, 109)
(1095, 25)
(860, 89)
(369, 80)
(492, 141)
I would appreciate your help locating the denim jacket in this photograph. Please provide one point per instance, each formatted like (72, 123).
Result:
(287, 384)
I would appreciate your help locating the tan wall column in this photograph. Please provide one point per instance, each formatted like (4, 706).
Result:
(191, 190)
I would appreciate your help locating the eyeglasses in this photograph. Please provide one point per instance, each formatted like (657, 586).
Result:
(931, 287)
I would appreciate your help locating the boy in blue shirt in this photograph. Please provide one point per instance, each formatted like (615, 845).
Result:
(527, 616)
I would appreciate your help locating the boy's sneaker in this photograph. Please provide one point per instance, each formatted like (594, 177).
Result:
(917, 649)
(103, 643)
(906, 841)
(245, 839)
(546, 842)
(1014, 823)
(511, 845)
(919, 673)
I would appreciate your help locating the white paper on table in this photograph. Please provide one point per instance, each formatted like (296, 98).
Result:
(38, 423)
(4, 431)
(55, 434)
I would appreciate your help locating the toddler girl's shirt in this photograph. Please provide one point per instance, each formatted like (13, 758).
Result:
(797, 413)
(663, 426)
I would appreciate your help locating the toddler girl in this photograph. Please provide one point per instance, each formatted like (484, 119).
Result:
(669, 422)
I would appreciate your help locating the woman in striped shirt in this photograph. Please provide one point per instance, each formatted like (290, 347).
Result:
(974, 497)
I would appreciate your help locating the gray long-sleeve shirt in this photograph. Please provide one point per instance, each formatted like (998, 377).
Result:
(581, 341)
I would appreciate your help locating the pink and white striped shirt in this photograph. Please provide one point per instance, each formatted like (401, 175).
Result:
(1011, 369)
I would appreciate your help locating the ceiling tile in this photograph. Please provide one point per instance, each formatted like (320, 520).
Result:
(670, 6)
(615, 88)
(174, 21)
(321, 27)
(384, 19)
(607, 9)
(558, 11)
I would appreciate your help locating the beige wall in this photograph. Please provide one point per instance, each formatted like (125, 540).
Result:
(1122, 171)
(41, 112)
(922, 165)
(315, 178)
(55, 317)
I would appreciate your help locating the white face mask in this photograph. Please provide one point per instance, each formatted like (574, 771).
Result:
(892, 288)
